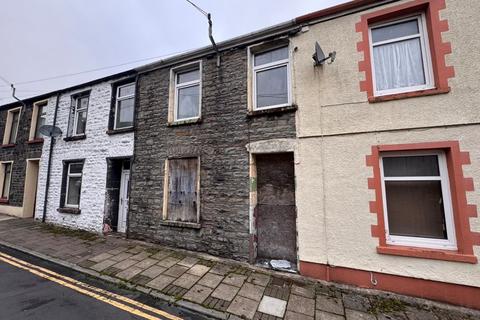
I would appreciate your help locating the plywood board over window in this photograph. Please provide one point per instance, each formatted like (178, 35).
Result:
(181, 191)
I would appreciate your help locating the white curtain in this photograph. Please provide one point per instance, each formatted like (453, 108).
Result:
(398, 65)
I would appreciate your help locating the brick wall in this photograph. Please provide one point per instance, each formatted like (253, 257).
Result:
(220, 140)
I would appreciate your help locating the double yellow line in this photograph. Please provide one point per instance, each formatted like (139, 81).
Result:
(118, 301)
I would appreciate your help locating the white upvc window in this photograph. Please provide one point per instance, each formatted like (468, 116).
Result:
(416, 200)
(271, 78)
(401, 59)
(124, 106)
(80, 114)
(73, 184)
(6, 178)
(188, 92)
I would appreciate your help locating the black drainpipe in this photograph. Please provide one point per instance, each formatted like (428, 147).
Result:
(52, 142)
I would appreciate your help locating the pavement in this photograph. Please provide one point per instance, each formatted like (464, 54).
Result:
(217, 288)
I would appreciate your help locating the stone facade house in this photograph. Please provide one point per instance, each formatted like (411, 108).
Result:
(388, 147)
(20, 154)
(90, 162)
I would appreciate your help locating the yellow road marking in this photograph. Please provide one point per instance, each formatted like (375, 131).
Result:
(87, 289)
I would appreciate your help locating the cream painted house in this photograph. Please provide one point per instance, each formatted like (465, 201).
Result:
(388, 147)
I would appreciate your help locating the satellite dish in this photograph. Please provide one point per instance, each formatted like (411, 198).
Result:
(319, 56)
(50, 131)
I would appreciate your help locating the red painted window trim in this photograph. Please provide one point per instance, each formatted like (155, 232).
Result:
(462, 211)
(438, 48)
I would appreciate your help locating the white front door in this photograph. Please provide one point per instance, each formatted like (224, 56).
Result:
(123, 205)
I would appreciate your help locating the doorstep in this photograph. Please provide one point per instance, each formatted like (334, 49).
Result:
(219, 288)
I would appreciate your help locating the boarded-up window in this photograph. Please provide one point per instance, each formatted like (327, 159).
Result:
(182, 190)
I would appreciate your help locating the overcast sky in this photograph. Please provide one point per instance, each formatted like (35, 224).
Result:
(46, 38)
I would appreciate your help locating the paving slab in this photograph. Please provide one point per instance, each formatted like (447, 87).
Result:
(221, 269)
(198, 270)
(358, 315)
(153, 271)
(272, 306)
(140, 256)
(129, 273)
(198, 294)
(161, 254)
(176, 271)
(259, 279)
(225, 292)
(103, 265)
(356, 302)
(301, 305)
(122, 256)
(101, 257)
(243, 307)
(160, 282)
(234, 279)
(210, 280)
(322, 315)
(146, 263)
(125, 264)
(329, 304)
(168, 262)
(186, 281)
(188, 262)
(290, 315)
(304, 291)
(251, 291)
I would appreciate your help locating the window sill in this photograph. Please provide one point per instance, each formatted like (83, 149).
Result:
(286, 109)
(119, 131)
(3, 201)
(180, 224)
(75, 138)
(35, 141)
(184, 122)
(10, 145)
(426, 253)
(406, 95)
(69, 210)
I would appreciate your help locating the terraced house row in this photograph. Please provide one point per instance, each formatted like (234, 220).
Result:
(359, 169)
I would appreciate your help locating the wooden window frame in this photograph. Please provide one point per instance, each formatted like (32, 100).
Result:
(68, 175)
(118, 99)
(462, 211)
(425, 50)
(76, 111)
(35, 115)
(7, 141)
(438, 49)
(272, 65)
(3, 177)
(166, 192)
(450, 242)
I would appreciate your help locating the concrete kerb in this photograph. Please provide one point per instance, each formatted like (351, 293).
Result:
(152, 292)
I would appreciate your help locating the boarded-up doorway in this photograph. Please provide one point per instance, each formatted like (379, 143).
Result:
(30, 190)
(275, 210)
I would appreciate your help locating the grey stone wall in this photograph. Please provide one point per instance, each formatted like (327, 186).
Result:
(220, 140)
(19, 153)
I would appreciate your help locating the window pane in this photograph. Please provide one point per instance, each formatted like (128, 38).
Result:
(124, 117)
(126, 90)
(41, 118)
(271, 56)
(415, 209)
(7, 169)
(74, 187)
(81, 122)
(399, 65)
(272, 87)
(396, 30)
(76, 167)
(82, 103)
(188, 76)
(411, 166)
(14, 130)
(188, 102)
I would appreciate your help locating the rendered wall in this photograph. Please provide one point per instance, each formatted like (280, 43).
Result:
(95, 149)
(337, 127)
